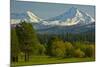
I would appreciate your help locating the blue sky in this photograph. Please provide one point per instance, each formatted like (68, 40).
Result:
(47, 10)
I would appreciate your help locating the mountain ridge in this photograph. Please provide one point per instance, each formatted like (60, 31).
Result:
(73, 21)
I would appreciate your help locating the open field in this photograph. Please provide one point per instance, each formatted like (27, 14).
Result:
(37, 60)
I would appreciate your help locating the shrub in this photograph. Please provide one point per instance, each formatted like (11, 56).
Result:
(89, 51)
(58, 49)
(87, 48)
(78, 53)
(69, 49)
(41, 49)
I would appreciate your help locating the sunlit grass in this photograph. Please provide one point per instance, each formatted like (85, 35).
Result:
(37, 60)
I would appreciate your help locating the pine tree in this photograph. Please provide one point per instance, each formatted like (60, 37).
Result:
(14, 46)
(28, 39)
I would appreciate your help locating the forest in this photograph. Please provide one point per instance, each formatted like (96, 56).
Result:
(27, 44)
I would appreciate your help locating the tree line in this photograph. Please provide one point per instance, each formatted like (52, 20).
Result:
(26, 42)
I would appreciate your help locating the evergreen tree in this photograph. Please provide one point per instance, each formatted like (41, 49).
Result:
(28, 39)
(14, 46)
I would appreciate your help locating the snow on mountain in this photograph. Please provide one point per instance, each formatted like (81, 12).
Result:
(72, 17)
(33, 17)
(15, 21)
(28, 16)
(72, 21)
(69, 18)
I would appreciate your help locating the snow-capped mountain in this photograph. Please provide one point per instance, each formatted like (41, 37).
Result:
(33, 18)
(69, 18)
(15, 21)
(72, 17)
(73, 20)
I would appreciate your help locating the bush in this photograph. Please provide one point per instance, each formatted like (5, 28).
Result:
(89, 51)
(41, 49)
(69, 49)
(87, 48)
(78, 53)
(58, 49)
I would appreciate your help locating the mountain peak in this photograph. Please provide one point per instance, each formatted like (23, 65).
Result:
(72, 16)
(73, 9)
(68, 14)
(33, 17)
(72, 12)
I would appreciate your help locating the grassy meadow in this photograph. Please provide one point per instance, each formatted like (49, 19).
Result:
(38, 60)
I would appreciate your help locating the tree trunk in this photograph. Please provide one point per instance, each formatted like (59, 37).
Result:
(28, 56)
(25, 56)
(16, 58)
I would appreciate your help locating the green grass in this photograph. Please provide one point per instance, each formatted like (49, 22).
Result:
(37, 60)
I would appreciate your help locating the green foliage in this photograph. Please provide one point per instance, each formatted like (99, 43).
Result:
(25, 42)
(41, 49)
(89, 50)
(79, 53)
(57, 47)
(29, 43)
(69, 49)
(27, 36)
(14, 45)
